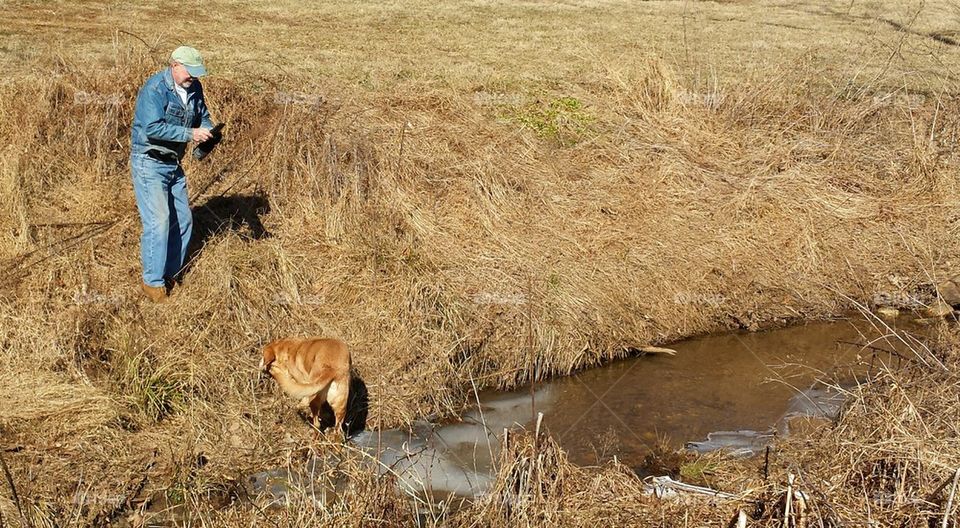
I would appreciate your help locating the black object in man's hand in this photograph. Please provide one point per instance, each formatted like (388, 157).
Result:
(202, 149)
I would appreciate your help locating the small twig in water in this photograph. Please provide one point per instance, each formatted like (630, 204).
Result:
(874, 348)
(766, 464)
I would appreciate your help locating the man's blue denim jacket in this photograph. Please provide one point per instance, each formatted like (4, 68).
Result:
(161, 122)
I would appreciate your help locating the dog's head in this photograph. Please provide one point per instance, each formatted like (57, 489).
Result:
(269, 356)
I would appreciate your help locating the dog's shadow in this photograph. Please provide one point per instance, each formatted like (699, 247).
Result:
(358, 406)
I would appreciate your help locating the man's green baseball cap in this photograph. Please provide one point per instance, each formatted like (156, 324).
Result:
(191, 60)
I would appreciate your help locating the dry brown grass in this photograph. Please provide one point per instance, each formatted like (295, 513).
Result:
(429, 177)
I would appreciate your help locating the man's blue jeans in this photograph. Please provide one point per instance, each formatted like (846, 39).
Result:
(161, 191)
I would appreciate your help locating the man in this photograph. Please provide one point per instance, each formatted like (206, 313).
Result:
(170, 113)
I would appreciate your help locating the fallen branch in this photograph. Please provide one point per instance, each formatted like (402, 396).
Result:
(20, 267)
(658, 350)
(72, 224)
(666, 487)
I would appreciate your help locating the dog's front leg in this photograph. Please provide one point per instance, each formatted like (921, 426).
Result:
(316, 427)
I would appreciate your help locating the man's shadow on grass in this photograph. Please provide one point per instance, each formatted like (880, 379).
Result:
(221, 214)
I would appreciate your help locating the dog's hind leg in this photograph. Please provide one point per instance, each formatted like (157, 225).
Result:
(315, 405)
(338, 394)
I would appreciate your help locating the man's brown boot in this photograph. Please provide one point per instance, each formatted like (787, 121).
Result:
(155, 293)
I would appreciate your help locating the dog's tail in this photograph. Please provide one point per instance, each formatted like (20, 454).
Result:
(347, 368)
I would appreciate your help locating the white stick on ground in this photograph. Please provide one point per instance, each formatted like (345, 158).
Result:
(658, 350)
(789, 500)
(658, 487)
(953, 492)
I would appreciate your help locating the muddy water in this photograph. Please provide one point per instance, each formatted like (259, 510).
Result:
(730, 391)
(718, 383)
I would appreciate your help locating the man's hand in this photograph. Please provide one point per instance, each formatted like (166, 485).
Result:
(201, 134)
